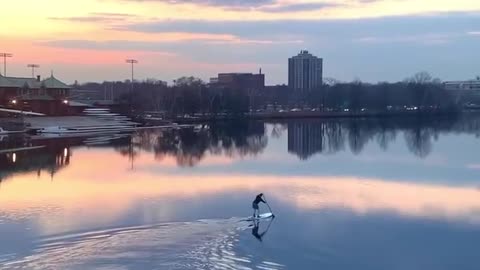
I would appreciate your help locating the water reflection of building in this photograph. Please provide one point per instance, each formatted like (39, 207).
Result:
(305, 139)
(26, 155)
(35, 160)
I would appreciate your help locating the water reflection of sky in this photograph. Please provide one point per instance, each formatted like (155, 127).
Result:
(88, 184)
(375, 209)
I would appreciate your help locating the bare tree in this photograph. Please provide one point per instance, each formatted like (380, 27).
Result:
(421, 77)
(330, 81)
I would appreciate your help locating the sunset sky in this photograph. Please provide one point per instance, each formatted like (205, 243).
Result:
(372, 40)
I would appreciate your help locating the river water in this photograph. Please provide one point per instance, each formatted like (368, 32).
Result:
(347, 194)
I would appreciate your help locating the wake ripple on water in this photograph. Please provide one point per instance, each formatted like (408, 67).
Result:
(205, 244)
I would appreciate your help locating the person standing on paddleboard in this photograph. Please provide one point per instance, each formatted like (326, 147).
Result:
(255, 203)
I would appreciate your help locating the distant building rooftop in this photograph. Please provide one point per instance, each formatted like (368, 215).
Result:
(239, 80)
(462, 85)
(17, 82)
(54, 83)
(32, 83)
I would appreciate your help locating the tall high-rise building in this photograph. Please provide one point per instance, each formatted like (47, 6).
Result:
(305, 72)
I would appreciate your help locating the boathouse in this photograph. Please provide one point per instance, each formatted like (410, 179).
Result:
(48, 96)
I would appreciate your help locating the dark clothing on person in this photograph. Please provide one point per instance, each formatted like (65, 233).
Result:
(258, 199)
(255, 203)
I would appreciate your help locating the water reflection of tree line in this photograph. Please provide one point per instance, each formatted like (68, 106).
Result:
(306, 138)
(189, 146)
(239, 139)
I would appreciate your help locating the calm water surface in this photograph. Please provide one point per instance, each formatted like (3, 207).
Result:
(347, 194)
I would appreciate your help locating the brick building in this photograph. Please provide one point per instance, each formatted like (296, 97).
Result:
(244, 81)
(48, 96)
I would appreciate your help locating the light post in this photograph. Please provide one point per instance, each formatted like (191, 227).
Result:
(33, 66)
(132, 62)
(5, 55)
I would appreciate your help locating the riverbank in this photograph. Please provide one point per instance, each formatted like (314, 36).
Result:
(310, 114)
(36, 123)
(77, 124)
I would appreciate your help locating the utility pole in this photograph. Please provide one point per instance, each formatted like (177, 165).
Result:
(33, 66)
(5, 55)
(132, 62)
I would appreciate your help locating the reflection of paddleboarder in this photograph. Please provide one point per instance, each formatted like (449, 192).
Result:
(255, 203)
(256, 226)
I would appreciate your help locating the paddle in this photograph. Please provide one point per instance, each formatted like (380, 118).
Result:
(265, 199)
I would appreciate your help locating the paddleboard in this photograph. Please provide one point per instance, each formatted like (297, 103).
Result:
(262, 216)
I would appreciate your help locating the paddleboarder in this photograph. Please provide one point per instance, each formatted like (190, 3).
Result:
(258, 199)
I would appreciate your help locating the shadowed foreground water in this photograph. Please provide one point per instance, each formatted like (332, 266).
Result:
(347, 194)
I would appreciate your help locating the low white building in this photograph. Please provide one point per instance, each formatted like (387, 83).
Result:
(462, 85)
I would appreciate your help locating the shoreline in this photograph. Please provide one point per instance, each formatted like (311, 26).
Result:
(318, 115)
(145, 123)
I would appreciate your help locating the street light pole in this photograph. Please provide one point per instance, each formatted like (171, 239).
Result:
(33, 66)
(132, 62)
(5, 55)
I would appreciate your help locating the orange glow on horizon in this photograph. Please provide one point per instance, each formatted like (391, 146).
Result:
(101, 21)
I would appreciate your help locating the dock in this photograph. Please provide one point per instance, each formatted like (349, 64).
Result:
(36, 123)
(78, 126)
